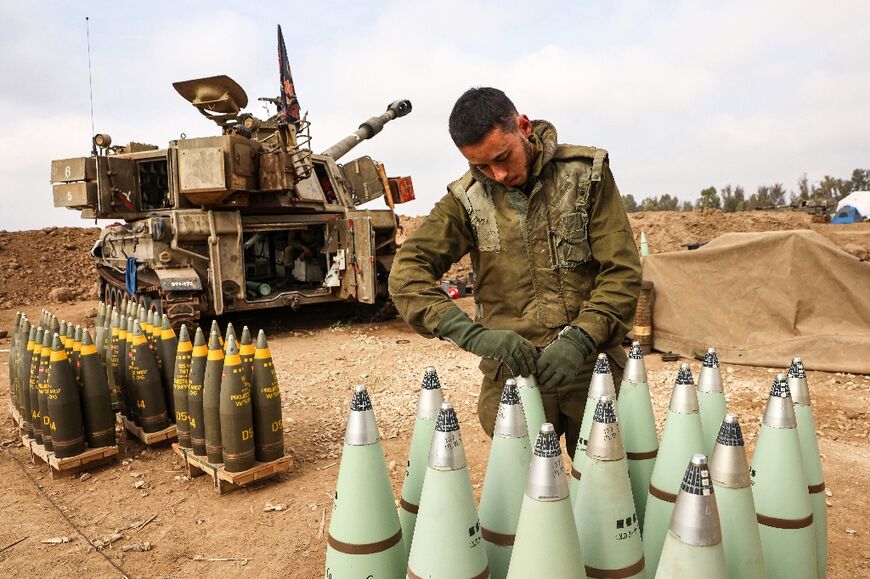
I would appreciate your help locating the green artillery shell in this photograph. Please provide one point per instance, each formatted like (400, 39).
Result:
(211, 400)
(96, 400)
(729, 471)
(44, 361)
(76, 354)
(109, 356)
(246, 352)
(12, 351)
(693, 545)
(604, 508)
(547, 544)
(447, 538)
(711, 399)
(180, 382)
(115, 366)
(33, 387)
(779, 488)
(806, 426)
(533, 405)
(431, 397)
(505, 480)
(24, 389)
(600, 385)
(681, 439)
(640, 439)
(62, 333)
(166, 347)
(128, 400)
(194, 393)
(100, 332)
(363, 493)
(132, 385)
(268, 422)
(64, 405)
(237, 416)
(146, 384)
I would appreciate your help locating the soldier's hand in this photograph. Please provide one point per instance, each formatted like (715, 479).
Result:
(506, 346)
(560, 362)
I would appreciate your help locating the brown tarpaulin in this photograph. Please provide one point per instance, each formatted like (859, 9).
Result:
(762, 298)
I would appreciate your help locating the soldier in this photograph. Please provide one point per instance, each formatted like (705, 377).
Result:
(557, 269)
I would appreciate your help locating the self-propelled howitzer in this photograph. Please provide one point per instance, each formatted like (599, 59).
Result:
(249, 219)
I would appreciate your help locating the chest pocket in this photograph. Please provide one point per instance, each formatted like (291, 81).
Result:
(571, 240)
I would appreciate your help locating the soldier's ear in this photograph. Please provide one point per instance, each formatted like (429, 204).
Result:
(524, 126)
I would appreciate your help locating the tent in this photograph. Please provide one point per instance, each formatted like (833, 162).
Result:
(762, 298)
(860, 200)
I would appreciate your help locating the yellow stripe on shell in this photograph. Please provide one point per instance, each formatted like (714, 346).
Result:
(89, 349)
(58, 356)
(247, 349)
(30, 345)
(200, 350)
(139, 340)
(185, 347)
(167, 334)
(233, 360)
(262, 354)
(215, 354)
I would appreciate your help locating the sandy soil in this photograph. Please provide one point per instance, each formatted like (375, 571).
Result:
(319, 358)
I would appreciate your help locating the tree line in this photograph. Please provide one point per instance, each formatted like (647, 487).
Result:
(824, 193)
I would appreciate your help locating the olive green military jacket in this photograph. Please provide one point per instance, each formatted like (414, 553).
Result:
(563, 254)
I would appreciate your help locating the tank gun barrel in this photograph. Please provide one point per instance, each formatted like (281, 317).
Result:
(368, 129)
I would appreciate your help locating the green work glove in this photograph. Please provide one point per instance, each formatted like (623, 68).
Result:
(506, 346)
(560, 361)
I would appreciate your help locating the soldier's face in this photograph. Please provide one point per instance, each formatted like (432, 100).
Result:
(503, 156)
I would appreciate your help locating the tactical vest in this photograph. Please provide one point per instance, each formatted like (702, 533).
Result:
(533, 262)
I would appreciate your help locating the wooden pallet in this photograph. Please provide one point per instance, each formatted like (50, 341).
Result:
(225, 482)
(16, 416)
(169, 433)
(58, 467)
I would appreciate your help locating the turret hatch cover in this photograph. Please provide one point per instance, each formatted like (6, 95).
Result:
(216, 94)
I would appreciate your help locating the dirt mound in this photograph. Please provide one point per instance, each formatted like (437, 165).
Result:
(673, 230)
(52, 264)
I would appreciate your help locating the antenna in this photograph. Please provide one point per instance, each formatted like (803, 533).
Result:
(91, 86)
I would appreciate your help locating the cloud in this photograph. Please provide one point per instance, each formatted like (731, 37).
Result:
(682, 94)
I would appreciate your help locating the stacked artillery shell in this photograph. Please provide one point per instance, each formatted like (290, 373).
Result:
(24, 396)
(503, 487)
(268, 422)
(247, 352)
(806, 427)
(365, 538)
(600, 385)
(211, 400)
(779, 487)
(237, 416)
(533, 405)
(431, 397)
(113, 364)
(180, 383)
(123, 363)
(604, 507)
(13, 362)
(640, 439)
(145, 379)
(167, 347)
(195, 413)
(100, 332)
(64, 405)
(33, 387)
(682, 438)
(447, 540)
(44, 361)
(547, 544)
(62, 334)
(99, 420)
(693, 547)
(729, 471)
(75, 357)
(711, 399)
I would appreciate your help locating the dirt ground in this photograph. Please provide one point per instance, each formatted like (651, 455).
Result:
(319, 358)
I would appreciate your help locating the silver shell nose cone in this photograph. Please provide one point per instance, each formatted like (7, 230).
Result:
(695, 520)
(362, 429)
(447, 451)
(547, 479)
(510, 422)
(779, 412)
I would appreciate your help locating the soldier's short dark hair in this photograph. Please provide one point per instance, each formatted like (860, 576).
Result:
(477, 112)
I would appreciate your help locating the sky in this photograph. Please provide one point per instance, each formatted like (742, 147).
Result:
(684, 95)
